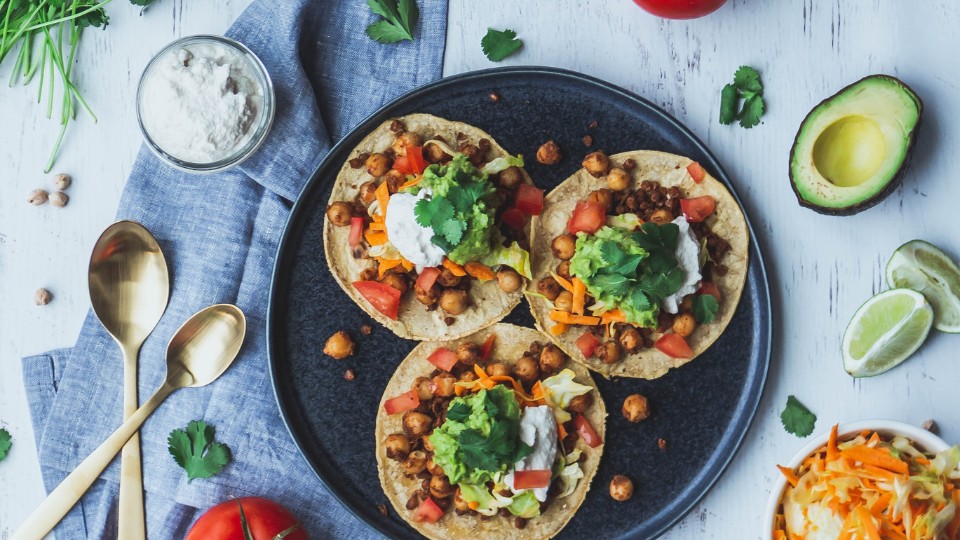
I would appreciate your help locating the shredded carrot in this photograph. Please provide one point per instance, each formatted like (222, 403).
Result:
(375, 238)
(790, 475)
(867, 524)
(569, 318)
(407, 265)
(779, 535)
(459, 390)
(871, 456)
(567, 286)
(874, 440)
(479, 271)
(558, 329)
(473, 505)
(880, 504)
(387, 264)
(454, 268)
(383, 197)
(561, 431)
(832, 451)
(579, 296)
(378, 226)
(410, 183)
(613, 316)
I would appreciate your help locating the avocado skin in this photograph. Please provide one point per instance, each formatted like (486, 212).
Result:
(894, 181)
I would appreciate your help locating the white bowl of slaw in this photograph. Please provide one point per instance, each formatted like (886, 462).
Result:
(922, 439)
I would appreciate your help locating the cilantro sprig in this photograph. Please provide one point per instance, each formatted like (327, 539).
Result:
(705, 308)
(452, 214)
(195, 450)
(797, 419)
(498, 44)
(5, 443)
(399, 18)
(747, 86)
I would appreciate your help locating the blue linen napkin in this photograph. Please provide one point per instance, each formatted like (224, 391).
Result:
(220, 233)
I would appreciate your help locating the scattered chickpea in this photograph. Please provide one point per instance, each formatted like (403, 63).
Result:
(549, 287)
(38, 197)
(662, 444)
(394, 180)
(552, 358)
(416, 424)
(349, 375)
(596, 163)
(434, 154)
(630, 339)
(581, 403)
(587, 141)
(404, 140)
(621, 488)
(499, 369)
(339, 346)
(62, 181)
(42, 297)
(454, 301)
(527, 369)
(635, 408)
(661, 216)
(415, 463)
(423, 387)
(603, 196)
(563, 246)
(448, 278)
(564, 301)
(563, 270)
(510, 177)
(366, 329)
(440, 487)
(397, 281)
(59, 199)
(684, 324)
(609, 352)
(377, 164)
(494, 97)
(433, 468)
(368, 191)
(397, 446)
(618, 179)
(508, 280)
(443, 385)
(468, 376)
(548, 153)
(468, 353)
(339, 213)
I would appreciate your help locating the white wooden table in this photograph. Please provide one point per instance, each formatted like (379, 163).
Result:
(821, 268)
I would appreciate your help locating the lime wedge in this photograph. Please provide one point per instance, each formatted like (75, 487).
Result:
(921, 266)
(885, 331)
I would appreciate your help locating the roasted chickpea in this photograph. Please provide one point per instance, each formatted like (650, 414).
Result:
(630, 339)
(509, 280)
(459, 502)
(510, 177)
(368, 191)
(434, 154)
(433, 468)
(564, 301)
(621, 488)
(440, 487)
(377, 164)
(427, 445)
(404, 140)
(499, 369)
(661, 216)
(397, 281)
(416, 462)
(468, 353)
(563, 270)
(635, 408)
(369, 274)
(429, 297)
(549, 287)
(338, 346)
(596, 163)
(416, 424)
(394, 180)
(468, 376)
(580, 404)
(563, 247)
(548, 153)
(397, 446)
(684, 324)
(686, 306)
(442, 385)
(339, 213)
(527, 369)
(552, 358)
(454, 301)
(602, 196)
(609, 352)
(422, 387)
(448, 278)
(618, 179)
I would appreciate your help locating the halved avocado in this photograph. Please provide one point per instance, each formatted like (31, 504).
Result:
(853, 147)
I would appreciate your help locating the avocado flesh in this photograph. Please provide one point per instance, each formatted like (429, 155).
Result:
(853, 146)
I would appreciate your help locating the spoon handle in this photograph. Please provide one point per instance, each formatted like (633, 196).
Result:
(62, 499)
(132, 522)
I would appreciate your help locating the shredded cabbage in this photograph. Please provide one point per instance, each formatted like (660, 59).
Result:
(514, 256)
(501, 163)
(559, 389)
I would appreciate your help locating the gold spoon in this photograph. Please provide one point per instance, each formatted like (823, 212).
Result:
(129, 289)
(201, 350)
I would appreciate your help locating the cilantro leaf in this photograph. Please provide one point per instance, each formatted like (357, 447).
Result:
(797, 419)
(141, 3)
(459, 412)
(674, 280)
(5, 443)
(652, 236)
(728, 104)
(498, 45)
(747, 81)
(705, 308)
(628, 266)
(397, 23)
(640, 300)
(613, 284)
(751, 112)
(195, 451)
(612, 253)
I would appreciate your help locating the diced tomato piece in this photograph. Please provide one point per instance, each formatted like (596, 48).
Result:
(696, 172)
(383, 297)
(356, 230)
(402, 165)
(428, 512)
(587, 343)
(443, 358)
(513, 218)
(529, 200)
(427, 278)
(697, 209)
(709, 288)
(586, 431)
(674, 345)
(531, 479)
(487, 348)
(412, 162)
(587, 217)
(404, 402)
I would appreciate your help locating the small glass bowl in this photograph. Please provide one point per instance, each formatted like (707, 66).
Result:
(260, 128)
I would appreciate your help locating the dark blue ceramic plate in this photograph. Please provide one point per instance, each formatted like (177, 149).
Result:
(701, 410)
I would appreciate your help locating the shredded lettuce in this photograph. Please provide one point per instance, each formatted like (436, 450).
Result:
(628, 221)
(525, 505)
(569, 476)
(501, 163)
(559, 389)
(487, 504)
(514, 256)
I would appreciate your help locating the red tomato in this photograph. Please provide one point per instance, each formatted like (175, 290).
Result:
(513, 218)
(428, 512)
(680, 9)
(427, 278)
(487, 347)
(383, 297)
(404, 402)
(443, 358)
(531, 479)
(412, 163)
(529, 200)
(696, 172)
(586, 431)
(356, 231)
(587, 217)
(709, 288)
(587, 343)
(674, 346)
(698, 209)
(265, 518)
